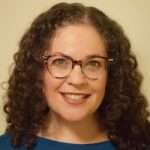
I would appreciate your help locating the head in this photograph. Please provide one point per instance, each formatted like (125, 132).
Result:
(78, 32)
(75, 96)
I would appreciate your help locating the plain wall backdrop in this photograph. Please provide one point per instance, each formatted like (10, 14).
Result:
(17, 15)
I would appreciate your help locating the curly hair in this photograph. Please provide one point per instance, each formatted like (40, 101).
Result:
(124, 106)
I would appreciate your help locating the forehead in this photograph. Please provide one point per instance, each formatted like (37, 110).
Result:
(78, 41)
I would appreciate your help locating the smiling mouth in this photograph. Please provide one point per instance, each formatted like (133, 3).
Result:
(74, 98)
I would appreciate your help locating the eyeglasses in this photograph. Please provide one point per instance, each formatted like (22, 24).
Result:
(60, 65)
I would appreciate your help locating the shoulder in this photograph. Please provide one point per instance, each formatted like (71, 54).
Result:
(5, 141)
(5, 138)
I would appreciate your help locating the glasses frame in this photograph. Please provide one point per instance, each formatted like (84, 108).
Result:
(75, 62)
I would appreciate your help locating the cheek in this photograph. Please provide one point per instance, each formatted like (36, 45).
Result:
(51, 91)
(99, 88)
(100, 85)
(50, 85)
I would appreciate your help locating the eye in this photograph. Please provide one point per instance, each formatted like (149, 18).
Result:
(94, 64)
(59, 61)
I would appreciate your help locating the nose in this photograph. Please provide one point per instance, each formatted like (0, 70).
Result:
(76, 76)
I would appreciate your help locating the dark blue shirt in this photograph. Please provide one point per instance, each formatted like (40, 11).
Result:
(46, 144)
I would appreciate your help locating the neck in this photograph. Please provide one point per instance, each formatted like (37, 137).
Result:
(89, 130)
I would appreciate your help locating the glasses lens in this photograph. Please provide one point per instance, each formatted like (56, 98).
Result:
(59, 66)
(94, 67)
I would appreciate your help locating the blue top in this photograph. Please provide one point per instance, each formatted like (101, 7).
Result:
(47, 144)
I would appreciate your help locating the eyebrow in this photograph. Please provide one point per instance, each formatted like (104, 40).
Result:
(89, 56)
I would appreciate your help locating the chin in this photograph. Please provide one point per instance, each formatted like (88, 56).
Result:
(74, 117)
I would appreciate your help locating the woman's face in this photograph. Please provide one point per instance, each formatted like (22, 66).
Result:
(75, 97)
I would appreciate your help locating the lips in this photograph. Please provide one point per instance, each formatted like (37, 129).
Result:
(75, 98)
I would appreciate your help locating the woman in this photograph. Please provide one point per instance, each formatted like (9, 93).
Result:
(75, 85)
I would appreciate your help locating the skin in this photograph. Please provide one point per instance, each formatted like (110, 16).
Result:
(75, 123)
